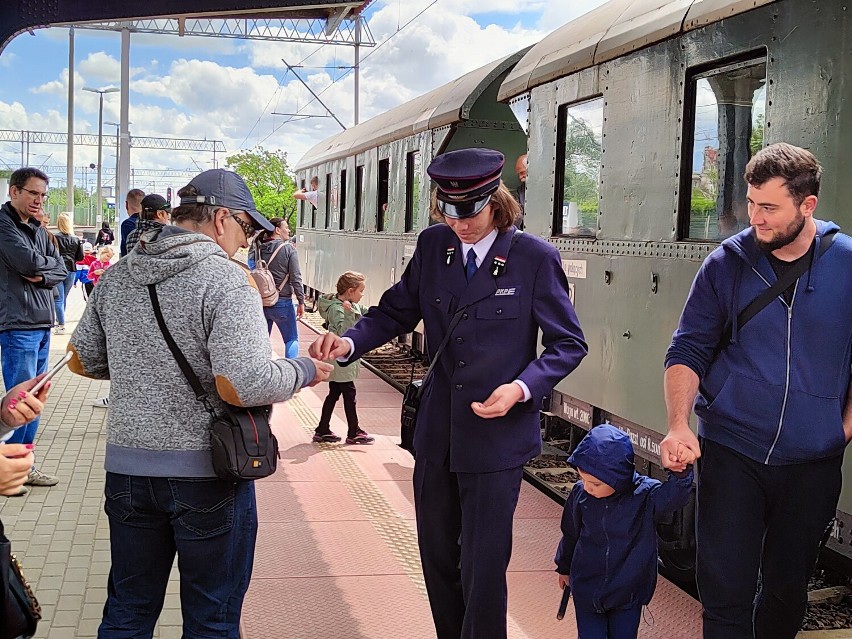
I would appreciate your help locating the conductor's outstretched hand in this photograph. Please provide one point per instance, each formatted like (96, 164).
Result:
(499, 402)
(328, 346)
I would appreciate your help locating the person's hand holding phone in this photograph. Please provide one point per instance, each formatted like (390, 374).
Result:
(24, 402)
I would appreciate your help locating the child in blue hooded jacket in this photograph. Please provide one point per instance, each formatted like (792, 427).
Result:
(608, 552)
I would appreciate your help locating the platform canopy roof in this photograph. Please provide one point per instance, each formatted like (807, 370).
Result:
(18, 16)
(611, 30)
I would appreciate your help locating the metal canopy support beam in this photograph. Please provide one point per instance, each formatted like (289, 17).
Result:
(312, 31)
(69, 177)
(90, 139)
(334, 19)
(122, 179)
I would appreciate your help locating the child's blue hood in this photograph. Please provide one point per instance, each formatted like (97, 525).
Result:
(606, 453)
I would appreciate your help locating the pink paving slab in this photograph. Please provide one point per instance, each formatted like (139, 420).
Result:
(361, 607)
(316, 549)
(400, 496)
(534, 504)
(305, 501)
(534, 544)
(391, 463)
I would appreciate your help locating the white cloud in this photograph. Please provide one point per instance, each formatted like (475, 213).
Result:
(198, 96)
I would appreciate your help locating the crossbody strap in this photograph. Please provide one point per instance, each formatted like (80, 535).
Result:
(441, 348)
(778, 287)
(200, 394)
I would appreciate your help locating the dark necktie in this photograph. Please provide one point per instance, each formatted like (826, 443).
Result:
(470, 265)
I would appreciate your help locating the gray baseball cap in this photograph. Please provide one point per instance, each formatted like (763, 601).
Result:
(218, 187)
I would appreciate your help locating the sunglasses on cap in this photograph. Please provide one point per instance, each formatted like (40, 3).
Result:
(459, 210)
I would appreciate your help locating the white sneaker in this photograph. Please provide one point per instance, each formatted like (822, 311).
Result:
(59, 330)
(102, 402)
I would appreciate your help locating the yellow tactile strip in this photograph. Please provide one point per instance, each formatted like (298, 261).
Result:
(399, 535)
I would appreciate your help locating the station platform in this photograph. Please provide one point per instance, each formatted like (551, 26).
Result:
(337, 550)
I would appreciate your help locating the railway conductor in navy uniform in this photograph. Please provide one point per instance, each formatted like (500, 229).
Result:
(479, 415)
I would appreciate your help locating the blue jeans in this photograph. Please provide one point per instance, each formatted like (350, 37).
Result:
(614, 624)
(210, 524)
(23, 355)
(64, 288)
(284, 316)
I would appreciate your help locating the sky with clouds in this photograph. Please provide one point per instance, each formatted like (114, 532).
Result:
(227, 89)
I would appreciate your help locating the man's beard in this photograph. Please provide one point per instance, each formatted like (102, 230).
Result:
(787, 236)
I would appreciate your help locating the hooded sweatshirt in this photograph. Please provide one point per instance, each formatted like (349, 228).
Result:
(776, 393)
(331, 309)
(609, 545)
(155, 426)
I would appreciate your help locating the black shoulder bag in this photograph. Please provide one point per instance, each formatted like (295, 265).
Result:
(778, 287)
(241, 440)
(18, 606)
(411, 397)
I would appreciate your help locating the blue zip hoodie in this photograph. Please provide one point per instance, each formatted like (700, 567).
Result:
(609, 545)
(777, 392)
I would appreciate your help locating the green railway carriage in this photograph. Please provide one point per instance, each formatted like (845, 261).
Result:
(639, 118)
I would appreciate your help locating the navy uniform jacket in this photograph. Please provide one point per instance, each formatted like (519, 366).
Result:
(495, 343)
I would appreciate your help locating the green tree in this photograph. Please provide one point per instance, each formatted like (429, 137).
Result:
(582, 169)
(270, 181)
(757, 133)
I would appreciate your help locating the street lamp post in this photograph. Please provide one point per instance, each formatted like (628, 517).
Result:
(117, 145)
(100, 93)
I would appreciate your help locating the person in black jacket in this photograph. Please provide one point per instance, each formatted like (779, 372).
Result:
(105, 235)
(71, 251)
(30, 266)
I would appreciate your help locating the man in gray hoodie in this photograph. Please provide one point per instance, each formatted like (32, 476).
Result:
(161, 492)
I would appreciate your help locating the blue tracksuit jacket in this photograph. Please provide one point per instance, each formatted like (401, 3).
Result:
(777, 392)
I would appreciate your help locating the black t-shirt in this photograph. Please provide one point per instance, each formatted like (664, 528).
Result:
(780, 267)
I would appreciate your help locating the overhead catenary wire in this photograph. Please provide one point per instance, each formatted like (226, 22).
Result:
(342, 77)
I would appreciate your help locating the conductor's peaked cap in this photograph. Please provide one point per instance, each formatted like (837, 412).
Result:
(466, 180)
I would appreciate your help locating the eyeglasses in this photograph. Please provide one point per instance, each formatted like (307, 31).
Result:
(43, 196)
(247, 228)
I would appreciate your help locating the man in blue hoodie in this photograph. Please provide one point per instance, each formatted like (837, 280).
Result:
(772, 399)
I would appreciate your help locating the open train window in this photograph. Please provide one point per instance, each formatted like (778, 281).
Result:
(359, 195)
(578, 173)
(412, 188)
(342, 200)
(302, 208)
(727, 114)
(328, 200)
(382, 189)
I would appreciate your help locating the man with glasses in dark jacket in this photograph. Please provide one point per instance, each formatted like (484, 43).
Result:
(30, 266)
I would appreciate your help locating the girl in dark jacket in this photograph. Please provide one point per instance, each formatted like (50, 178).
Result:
(608, 552)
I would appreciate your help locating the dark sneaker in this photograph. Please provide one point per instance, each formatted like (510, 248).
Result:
(38, 478)
(328, 438)
(360, 438)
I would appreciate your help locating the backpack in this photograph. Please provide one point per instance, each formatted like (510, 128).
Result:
(263, 278)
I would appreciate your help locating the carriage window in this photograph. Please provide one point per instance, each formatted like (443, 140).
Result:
(383, 192)
(342, 200)
(579, 132)
(412, 188)
(328, 200)
(728, 115)
(521, 110)
(302, 208)
(359, 195)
